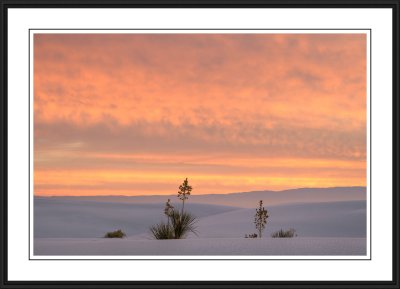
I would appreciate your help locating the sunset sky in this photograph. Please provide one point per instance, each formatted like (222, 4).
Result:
(135, 114)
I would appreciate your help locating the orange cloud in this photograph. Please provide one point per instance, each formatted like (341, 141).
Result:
(211, 101)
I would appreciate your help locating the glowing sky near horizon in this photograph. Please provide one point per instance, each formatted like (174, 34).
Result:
(135, 114)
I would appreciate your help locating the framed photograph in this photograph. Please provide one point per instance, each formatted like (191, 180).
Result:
(200, 144)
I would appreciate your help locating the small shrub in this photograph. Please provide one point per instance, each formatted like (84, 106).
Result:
(284, 234)
(162, 231)
(251, 236)
(115, 234)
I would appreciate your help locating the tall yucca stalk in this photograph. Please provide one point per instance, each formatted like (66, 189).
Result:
(260, 218)
(168, 210)
(184, 192)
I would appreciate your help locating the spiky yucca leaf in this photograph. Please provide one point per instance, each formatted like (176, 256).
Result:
(182, 224)
(162, 231)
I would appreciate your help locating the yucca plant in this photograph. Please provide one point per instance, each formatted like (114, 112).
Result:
(260, 218)
(179, 224)
(182, 224)
(162, 231)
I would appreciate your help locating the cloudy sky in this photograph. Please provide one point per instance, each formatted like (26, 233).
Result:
(135, 114)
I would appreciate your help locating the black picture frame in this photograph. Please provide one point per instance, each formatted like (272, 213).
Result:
(5, 5)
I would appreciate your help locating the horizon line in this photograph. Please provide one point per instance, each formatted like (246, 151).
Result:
(258, 191)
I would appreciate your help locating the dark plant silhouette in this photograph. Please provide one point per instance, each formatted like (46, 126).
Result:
(168, 210)
(178, 224)
(115, 234)
(260, 218)
(177, 228)
(162, 231)
(284, 234)
(184, 192)
(182, 224)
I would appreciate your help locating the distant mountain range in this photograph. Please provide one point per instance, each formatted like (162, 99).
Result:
(244, 199)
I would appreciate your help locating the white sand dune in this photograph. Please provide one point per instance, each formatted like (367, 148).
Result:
(85, 219)
(58, 218)
(204, 247)
(247, 199)
(75, 226)
(333, 219)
